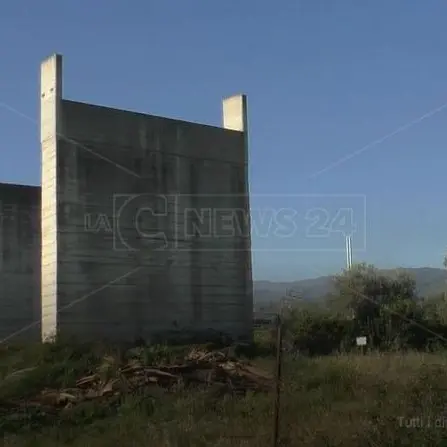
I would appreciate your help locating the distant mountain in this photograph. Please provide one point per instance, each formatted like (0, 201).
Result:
(429, 281)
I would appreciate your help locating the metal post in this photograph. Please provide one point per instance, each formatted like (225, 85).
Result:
(348, 252)
(277, 380)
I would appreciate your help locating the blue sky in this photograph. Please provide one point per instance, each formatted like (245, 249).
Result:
(324, 79)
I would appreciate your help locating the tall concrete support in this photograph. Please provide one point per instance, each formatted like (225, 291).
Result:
(144, 222)
(50, 133)
(235, 114)
(235, 117)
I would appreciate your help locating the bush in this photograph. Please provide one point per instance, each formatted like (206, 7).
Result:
(319, 333)
(384, 308)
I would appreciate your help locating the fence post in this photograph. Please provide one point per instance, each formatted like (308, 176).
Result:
(277, 380)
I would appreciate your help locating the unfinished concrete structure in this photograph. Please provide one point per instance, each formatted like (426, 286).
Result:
(145, 221)
(19, 262)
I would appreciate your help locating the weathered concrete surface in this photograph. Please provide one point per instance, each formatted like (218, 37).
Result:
(124, 251)
(19, 262)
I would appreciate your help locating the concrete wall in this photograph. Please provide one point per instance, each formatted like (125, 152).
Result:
(126, 252)
(19, 262)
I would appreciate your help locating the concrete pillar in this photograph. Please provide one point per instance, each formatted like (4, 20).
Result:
(50, 132)
(235, 113)
(235, 117)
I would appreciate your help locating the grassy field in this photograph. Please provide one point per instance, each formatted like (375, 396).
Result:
(372, 400)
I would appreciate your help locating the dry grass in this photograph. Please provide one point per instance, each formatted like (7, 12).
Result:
(346, 400)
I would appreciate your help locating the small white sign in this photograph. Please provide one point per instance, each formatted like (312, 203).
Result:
(361, 341)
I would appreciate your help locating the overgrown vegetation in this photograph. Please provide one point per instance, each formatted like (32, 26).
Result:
(331, 395)
(350, 400)
(385, 309)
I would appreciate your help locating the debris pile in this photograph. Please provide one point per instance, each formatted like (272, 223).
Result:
(216, 369)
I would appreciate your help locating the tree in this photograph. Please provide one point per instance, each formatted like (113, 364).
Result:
(383, 306)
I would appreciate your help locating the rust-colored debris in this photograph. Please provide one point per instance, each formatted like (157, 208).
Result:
(212, 369)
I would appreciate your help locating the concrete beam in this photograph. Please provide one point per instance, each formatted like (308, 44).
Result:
(50, 132)
(235, 117)
(235, 113)
(50, 96)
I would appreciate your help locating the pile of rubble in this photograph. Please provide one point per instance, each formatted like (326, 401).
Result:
(216, 369)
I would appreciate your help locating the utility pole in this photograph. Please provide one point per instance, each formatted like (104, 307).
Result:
(277, 379)
(445, 266)
(348, 253)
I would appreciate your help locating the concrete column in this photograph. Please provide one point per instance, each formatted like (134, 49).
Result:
(235, 117)
(235, 113)
(50, 132)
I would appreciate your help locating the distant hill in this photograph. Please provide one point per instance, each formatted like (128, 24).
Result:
(429, 281)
